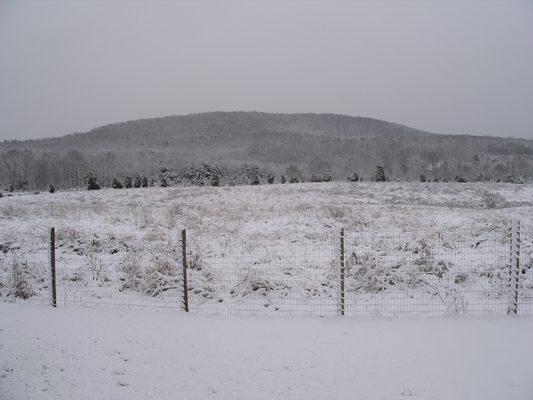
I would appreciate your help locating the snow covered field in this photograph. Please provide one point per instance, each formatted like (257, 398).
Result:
(411, 248)
(269, 210)
(88, 353)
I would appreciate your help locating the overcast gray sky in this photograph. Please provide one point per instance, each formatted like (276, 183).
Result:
(441, 66)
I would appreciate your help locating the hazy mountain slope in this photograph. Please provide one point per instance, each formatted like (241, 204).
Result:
(315, 143)
(225, 124)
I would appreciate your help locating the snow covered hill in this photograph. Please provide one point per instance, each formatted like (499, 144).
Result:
(315, 144)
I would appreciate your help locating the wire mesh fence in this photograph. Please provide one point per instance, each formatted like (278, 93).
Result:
(427, 273)
(283, 276)
(25, 268)
(93, 270)
(114, 272)
(393, 272)
(525, 272)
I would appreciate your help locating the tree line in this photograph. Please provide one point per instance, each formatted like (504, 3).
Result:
(25, 170)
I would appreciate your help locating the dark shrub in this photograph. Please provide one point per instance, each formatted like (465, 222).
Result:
(380, 174)
(91, 181)
(116, 184)
(353, 178)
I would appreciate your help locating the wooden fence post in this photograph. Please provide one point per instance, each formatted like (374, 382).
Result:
(343, 267)
(53, 264)
(514, 267)
(184, 259)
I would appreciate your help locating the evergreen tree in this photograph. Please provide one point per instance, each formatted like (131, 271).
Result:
(91, 181)
(250, 174)
(380, 174)
(145, 182)
(116, 184)
(353, 178)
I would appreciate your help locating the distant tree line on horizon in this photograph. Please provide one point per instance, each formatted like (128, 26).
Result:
(26, 170)
(214, 175)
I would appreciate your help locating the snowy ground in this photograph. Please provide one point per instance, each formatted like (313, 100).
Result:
(88, 353)
(103, 353)
(412, 248)
(268, 210)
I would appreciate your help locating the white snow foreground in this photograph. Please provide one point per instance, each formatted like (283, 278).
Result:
(82, 353)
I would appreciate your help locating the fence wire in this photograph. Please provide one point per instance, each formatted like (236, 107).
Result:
(525, 293)
(283, 276)
(409, 273)
(93, 270)
(393, 272)
(124, 273)
(25, 268)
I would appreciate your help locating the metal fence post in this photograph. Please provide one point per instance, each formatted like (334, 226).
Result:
(342, 265)
(53, 264)
(184, 259)
(514, 266)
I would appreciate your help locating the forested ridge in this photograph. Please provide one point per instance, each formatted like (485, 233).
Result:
(228, 145)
